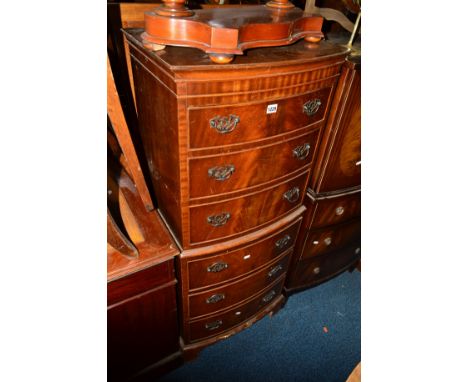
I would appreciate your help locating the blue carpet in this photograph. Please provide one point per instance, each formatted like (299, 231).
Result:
(292, 345)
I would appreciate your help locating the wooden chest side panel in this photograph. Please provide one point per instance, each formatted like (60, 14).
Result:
(158, 124)
(141, 331)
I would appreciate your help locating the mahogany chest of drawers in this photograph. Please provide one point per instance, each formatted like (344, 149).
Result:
(230, 150)
(329, 239)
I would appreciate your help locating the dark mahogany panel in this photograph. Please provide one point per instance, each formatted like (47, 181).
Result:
(333, 210)
(217, 269)
(218, 323)
(255, 121)
(235, 216)
(326, 240)
(230, 172)
(141, 331)
(237, 291)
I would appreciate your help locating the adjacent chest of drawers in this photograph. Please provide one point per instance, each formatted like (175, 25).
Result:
(329, 239)
(230, 150)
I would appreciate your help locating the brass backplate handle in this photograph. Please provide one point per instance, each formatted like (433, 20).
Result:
(218, 220)
(302, 152)
(213, 325)
(275, 270)
(269, 296)
(217, 267)
(224, 125)
(311, 107)
(221, 172)
(283, 242)
(292, 195)
(215, 298)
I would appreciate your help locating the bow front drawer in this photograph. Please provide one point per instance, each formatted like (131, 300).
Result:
(228, 125)
(230, 172)
(235, 216)
(227, 266)
(223, 297)
(213, 325)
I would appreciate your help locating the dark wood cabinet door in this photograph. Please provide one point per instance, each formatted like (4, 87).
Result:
(141, 331)
(341, 167)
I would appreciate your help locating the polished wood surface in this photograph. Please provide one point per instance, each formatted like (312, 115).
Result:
(315, 270)
(227, 31)
(217, 323)
(237, 291)
(326, 240)
(328, 210)
(230, 150)
(243, 169)
(247, 213)
(212, 270)
(141, 331)
(254, 121)
(341, 166)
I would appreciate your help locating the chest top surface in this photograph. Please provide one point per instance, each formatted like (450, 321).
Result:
(181, 59)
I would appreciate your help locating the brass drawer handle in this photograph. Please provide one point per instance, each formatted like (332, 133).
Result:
(213, 325)
(327, 240)
(217, 267)
(283, 242)
(311, 107)
(317, 270)
(215, 298)
(224, 125)
(339, 210)
(302, 152)
(269, 296)
(275, 270)
(218, 220)
(221, 172)
(292, 195)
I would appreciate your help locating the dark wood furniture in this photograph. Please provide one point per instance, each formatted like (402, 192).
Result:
(230, 151)
(223, 33)
(142, 319)
(329, 240)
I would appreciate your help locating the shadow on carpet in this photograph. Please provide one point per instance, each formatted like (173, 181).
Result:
(316, 337)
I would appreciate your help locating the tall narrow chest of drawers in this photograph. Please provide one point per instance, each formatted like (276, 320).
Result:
(329, 239)
(230, 150)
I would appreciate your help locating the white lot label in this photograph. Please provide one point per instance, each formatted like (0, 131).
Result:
(272, 108)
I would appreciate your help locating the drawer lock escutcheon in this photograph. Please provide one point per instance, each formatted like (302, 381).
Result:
(217, 267)
(275, 270)
(292, 195)
(224, 125)
(218, 220)
(311, 107)
(215, 298)
(213, 325)
(283, 242)
(269, 296)
(302, 152)
(221, 172)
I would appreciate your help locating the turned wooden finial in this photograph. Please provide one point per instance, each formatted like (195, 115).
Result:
(173, 8)
(282, 4)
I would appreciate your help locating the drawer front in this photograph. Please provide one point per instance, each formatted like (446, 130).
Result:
(221, 268)
(227, 125)
(224, 173)
(219, 323)
(323, 241)
(336, 210)
(320, 268)
(235, 216)
(223, 297)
